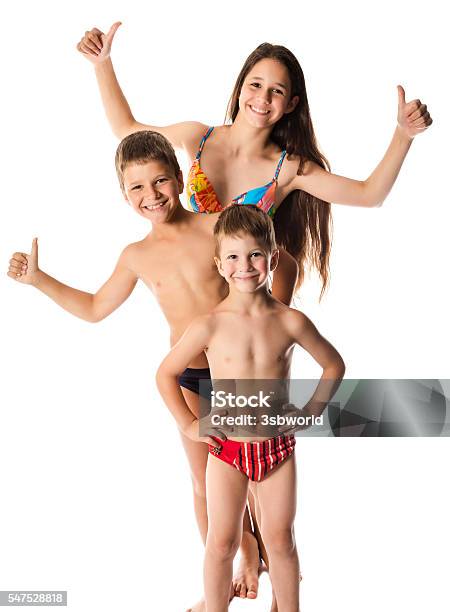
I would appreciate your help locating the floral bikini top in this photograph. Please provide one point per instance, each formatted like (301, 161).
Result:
(203, 199)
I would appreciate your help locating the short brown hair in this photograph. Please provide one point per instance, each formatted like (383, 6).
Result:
(245, 219)
(142, 147)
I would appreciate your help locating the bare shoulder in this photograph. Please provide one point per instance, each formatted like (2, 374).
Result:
(295, 320)
(135, 251)
(202, 328)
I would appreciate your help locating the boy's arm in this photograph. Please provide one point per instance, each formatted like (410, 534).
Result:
(96, 47)
(412, 119)
(24, 268)
(193, 342)
(307, 336)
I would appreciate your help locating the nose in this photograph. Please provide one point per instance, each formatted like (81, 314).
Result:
(265, 95)
(151, 192)
(246, 264)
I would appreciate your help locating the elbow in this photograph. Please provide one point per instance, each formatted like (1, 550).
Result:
(94, 316)
(92, 319)
(370, 200)
(340, 368)
(159, 377)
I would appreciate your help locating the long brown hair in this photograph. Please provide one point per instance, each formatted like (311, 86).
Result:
(303, 223)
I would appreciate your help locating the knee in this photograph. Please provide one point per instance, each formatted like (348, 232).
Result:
(279, 541)
(221, 546)
(199, 485)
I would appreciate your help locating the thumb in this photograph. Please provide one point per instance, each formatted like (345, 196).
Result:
(401, 95)
(112, 30)
(34, 249)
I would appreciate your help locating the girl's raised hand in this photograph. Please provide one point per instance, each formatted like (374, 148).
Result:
(96, 46)
(23, 267)
(413, 117)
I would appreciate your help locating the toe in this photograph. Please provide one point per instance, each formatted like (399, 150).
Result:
(252, 592)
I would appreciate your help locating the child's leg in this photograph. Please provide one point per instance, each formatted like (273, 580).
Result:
(197, 455)
(277, 496)
(226, 499)
(246, 577)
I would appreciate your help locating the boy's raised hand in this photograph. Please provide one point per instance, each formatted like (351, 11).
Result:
(23, 267)
(413, 117)
(96, 45)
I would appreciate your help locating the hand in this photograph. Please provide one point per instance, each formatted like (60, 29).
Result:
(96, 46)
(291, 412)
(192, 432)
(413, 117)
(22, 267)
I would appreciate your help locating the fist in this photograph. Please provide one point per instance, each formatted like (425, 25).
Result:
(96, 46)
(23, 267)
(413, 117)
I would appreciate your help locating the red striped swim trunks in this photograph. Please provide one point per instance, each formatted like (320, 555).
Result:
(255, 459)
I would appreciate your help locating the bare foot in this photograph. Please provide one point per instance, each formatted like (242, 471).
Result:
(246, 579)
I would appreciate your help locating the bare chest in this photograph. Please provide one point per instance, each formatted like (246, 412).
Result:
(170, 268)
(254, 350)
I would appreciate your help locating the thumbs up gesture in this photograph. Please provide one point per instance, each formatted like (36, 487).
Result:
(24, 268)
(96, 45)
(413, 117)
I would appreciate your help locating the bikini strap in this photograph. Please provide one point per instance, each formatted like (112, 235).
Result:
(202, 142)
(277, 171)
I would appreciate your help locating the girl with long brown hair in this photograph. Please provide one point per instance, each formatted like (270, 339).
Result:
(268, 114)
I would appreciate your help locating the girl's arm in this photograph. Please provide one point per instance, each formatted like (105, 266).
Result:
(285, 278)
(91, 307)
(413, 118)
(193, 342)
(96, 47)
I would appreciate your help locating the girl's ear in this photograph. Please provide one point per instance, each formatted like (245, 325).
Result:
(292, 104)
(274, 260)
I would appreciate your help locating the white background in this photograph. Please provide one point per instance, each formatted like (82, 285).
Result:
(95, 492)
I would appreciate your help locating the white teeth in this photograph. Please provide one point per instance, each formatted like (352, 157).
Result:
(154, 207)
(260, 111)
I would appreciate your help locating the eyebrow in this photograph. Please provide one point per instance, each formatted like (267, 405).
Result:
(256, 78)
(236, 252)
(139, 182)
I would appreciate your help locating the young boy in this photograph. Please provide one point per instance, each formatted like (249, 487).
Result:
(249, 335)
(175, 260)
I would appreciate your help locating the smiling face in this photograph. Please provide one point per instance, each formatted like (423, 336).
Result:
(152, 190)
(244, 263)
(266, 93)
